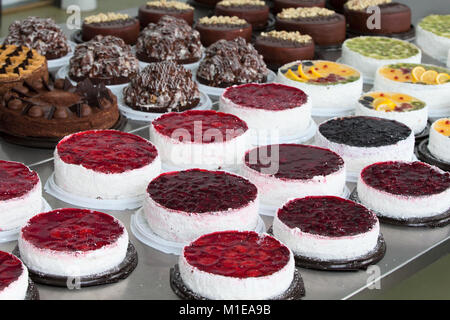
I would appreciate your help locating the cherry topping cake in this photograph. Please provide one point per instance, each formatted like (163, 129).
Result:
(105, 164)
(237, 265)
(183, 205)
(73, 242)
(13, 277)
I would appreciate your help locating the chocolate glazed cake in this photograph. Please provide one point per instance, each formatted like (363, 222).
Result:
(223, 27)
(111, 24)
(255, 12)
(155, 10)
(279, 5)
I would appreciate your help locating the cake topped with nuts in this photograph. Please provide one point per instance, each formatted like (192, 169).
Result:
(293, 36)
(358, 5)
(177, 5)
(106, 17)
(241, 3)
(298, 13)
(222, 20)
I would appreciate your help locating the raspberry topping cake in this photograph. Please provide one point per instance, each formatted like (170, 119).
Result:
(20, 194)
(183, 205)
(13, 277)
(439, 141)
(237, 265)
(105, 164)
(200, 139)
(327, 228)
(73, 242)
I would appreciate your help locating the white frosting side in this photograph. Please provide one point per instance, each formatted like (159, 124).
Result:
(432, 44)
(17, 289)
(439, 145)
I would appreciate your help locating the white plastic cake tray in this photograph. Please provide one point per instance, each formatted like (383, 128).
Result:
(304, 136)
(55, 64)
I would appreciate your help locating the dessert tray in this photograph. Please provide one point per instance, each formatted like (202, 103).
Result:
(304, 136)
(55, 64)
(32, 291)
(409, 35)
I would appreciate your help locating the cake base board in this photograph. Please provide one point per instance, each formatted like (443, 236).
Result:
(422, 135)
(409, 35)
(32, 291)
(425, 155)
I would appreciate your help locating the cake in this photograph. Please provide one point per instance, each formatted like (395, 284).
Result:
(162, 87)
(269, 108)
(215, 28)
(237, 265)
(105, 164)
(13, 277)
(119, 25)
(73, 243)
(286, 171)
(20, 195)
(104, 59)
(326, 27)
(53, 110)
(200, 139)
(281, 47)
(255, 12)
(206, 3)
(395, 106)
(393, 18)
(367, 54)
(433, 36)
(183, 205)
(279, 5)
(169, 39)
(362, 140)
(152, 11)
(337, 5)
(439, 141)
(227, 63)
(327, 228)
(41, 34)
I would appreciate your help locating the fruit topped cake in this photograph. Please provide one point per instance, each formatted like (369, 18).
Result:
(154, 10)
(13, 277)
(279, 5)
(215, 28)
(439, 143)
(433, 36)
(255, 12)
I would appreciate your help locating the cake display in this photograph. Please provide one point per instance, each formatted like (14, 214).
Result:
(326, 27)
(105, 164)
(362, 140)
(433, 36)
(281, 47)
(279, 5)
(255, 12)
(183, 205)
(13, 277)
(214, 28)
(153, 11)
(204, 139)
(439, 141)
(395, 106)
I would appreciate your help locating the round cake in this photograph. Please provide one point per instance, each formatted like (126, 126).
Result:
(215, 28)
(162, 87)
(73, 243)
(13, 277)
(255, 12)
(153, 11)
(327, 228)
(279, 5)
(105, 164)
(20, 195)
(439, 141)
(362, 140)
(433, 36)
(204, 139)
(237, 265)
(183, 205)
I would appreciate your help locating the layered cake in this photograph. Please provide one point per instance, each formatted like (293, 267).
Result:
(56, 109)
(237, 265)
(279, 5)
(227, 63)
(404, 190)
(73, 242)
(255, 12)
(169, 39)
(111, 24)
(269, 108)
(394, 17)
(326, 27)
(327, 228)
(286, 171)
(153, 11)
(362, 140)
(395, 106)
(183, 205)
(215, 28)
(200, 139)
(104, 59)
(281, 47)
(439, 142)
(367, 54)
(13, 277)
(41, 34)
(20, 195)
(162, 87)
(433, 36)
(105, 164)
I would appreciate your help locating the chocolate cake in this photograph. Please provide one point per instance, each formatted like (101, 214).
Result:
(227, 63)
(223, 27)
(41, 34)
(155, 10)
(279, 5)
(104, 59)
(111, 24)
(53, 110)
(162, 87)
(169, 39)
(337, 5)
(255, 12)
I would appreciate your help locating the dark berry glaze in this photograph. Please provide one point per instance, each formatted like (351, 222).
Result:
(200, 191)
(327, 216)
(361, 131)
(10, 269)
(16, 180)
(107, 151)
(295, 161)
(270, 96)
(202, 126)
(72, 230)
(406, 178)
(237, 254)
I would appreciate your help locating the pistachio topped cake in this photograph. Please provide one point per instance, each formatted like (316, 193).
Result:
(433, 36)
(215, 28)
(255, 12)
(154, 10)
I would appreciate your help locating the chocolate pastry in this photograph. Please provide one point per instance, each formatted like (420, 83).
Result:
(155, 10)
(255, 12)
(111, 24)
(279, 5)
(223, 27)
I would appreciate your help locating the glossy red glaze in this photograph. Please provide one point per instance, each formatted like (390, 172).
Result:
(10, 269)
(16, 180)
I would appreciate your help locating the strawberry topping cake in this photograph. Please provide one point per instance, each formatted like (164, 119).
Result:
(13, 277)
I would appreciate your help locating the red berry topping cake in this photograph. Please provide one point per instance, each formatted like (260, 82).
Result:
(13, 277)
